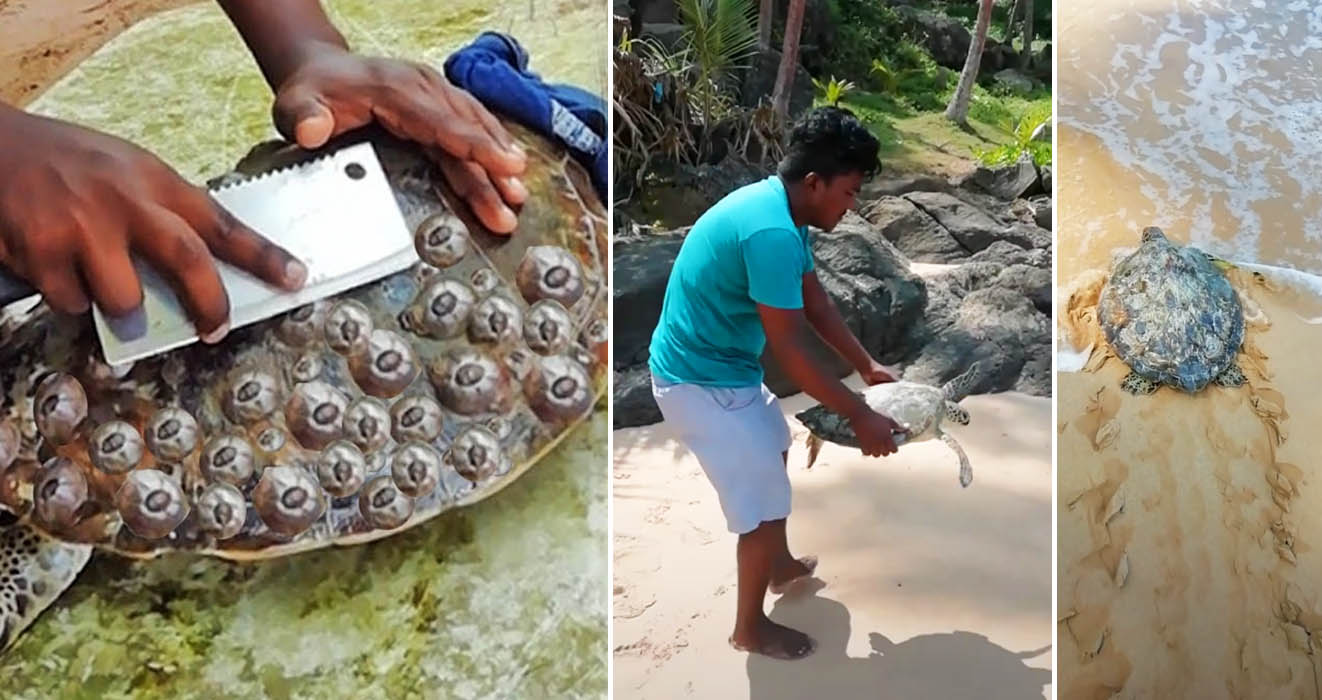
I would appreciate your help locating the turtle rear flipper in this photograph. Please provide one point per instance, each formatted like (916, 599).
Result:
(45, 568)
(814, 447)
(965, 469)
(1231, 376)
(1137, 385)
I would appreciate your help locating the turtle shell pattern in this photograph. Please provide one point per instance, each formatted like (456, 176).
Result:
(1171, 315)
(343, 421)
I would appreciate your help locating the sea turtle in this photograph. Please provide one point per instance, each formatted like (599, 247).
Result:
(341, 422)
(918, 408)
(1170, 314)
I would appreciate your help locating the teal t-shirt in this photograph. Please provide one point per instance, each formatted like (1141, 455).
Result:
(743, 251)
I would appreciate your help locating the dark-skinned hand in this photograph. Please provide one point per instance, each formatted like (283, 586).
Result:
(74, 203)
(333, 91)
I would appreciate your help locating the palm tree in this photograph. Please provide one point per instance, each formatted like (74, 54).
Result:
(1026, 56)
(958, 109)
(1009, 19)
(789, 58)
(764, 24)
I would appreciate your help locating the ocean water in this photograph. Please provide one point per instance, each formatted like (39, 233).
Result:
(1202, 117)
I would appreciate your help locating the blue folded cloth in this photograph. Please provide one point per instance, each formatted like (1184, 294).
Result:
(494, 68)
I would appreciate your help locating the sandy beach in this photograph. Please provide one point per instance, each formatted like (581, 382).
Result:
(1187, 563)
(926, 590)
(1187, 566)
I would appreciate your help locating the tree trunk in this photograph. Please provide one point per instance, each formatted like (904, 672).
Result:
(1026, 57)
(1009, 20)
(764, 24)
(789, 59)
(958, 110)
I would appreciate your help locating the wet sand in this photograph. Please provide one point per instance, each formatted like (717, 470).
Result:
(931, 591)
(1199, 116)
(1188, 563)
(1186, 559)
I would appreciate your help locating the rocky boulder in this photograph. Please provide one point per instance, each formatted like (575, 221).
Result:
(912, 231)
(632, 403)
(1041, 206)
(945, 38)
(973, 228)
(642, 268)
(668, 34)
(760, 82)
(1014, 80)
(977, 313)
(1015, 181)
(870, 282)
(992, 306)
(656, 11)
(1006, 253)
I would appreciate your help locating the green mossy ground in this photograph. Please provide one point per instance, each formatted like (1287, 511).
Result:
(503, 599)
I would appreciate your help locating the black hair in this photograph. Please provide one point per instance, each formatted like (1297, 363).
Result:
(830, 141)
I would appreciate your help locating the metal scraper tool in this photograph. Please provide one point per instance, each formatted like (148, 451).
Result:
(335, 213)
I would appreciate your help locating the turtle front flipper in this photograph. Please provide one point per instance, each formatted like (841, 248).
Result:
(965, 469)
(956, 413)
(37, 569)
(1220, 263)
(1137, 385)
(959, 387)
(1231, 376)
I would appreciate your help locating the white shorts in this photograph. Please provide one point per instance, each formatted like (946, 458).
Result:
(738, 435)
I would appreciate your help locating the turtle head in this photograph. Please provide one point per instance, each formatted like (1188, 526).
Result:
(956, 413)
(1152, 234)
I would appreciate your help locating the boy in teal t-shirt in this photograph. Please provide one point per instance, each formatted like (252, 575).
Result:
(743, 280)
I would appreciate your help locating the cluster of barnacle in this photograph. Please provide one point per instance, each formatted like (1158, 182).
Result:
(503, 347)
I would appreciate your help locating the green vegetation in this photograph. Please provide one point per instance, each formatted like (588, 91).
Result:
(833, 90)
(681, 105)
(1022, 126)
(897, 87)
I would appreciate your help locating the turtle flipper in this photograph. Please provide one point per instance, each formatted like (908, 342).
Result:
(1137, 385)
(44, 567)
(965, 469)
(1220, 263)
(1231, 376)
(814, 446)
(955, 413)
(959, 387)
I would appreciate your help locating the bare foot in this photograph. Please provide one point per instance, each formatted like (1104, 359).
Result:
(783, 578)
(775, 641)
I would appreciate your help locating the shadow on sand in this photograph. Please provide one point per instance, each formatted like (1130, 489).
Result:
(950, 666)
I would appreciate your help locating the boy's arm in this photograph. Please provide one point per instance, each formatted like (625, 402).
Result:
(825, 318)
(322, 90)
(788, 335)
(283, 35)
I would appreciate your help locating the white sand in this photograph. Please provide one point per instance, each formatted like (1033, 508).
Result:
(1188, 563)
(931, 591)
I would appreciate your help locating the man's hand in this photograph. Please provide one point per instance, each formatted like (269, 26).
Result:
(74, 203)
(877, 373)
(322, 89)
(874, 432)
(333, 91)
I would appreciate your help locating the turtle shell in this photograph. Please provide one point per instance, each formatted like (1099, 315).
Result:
(919, 407)
(1170, 314)
(343, 421)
